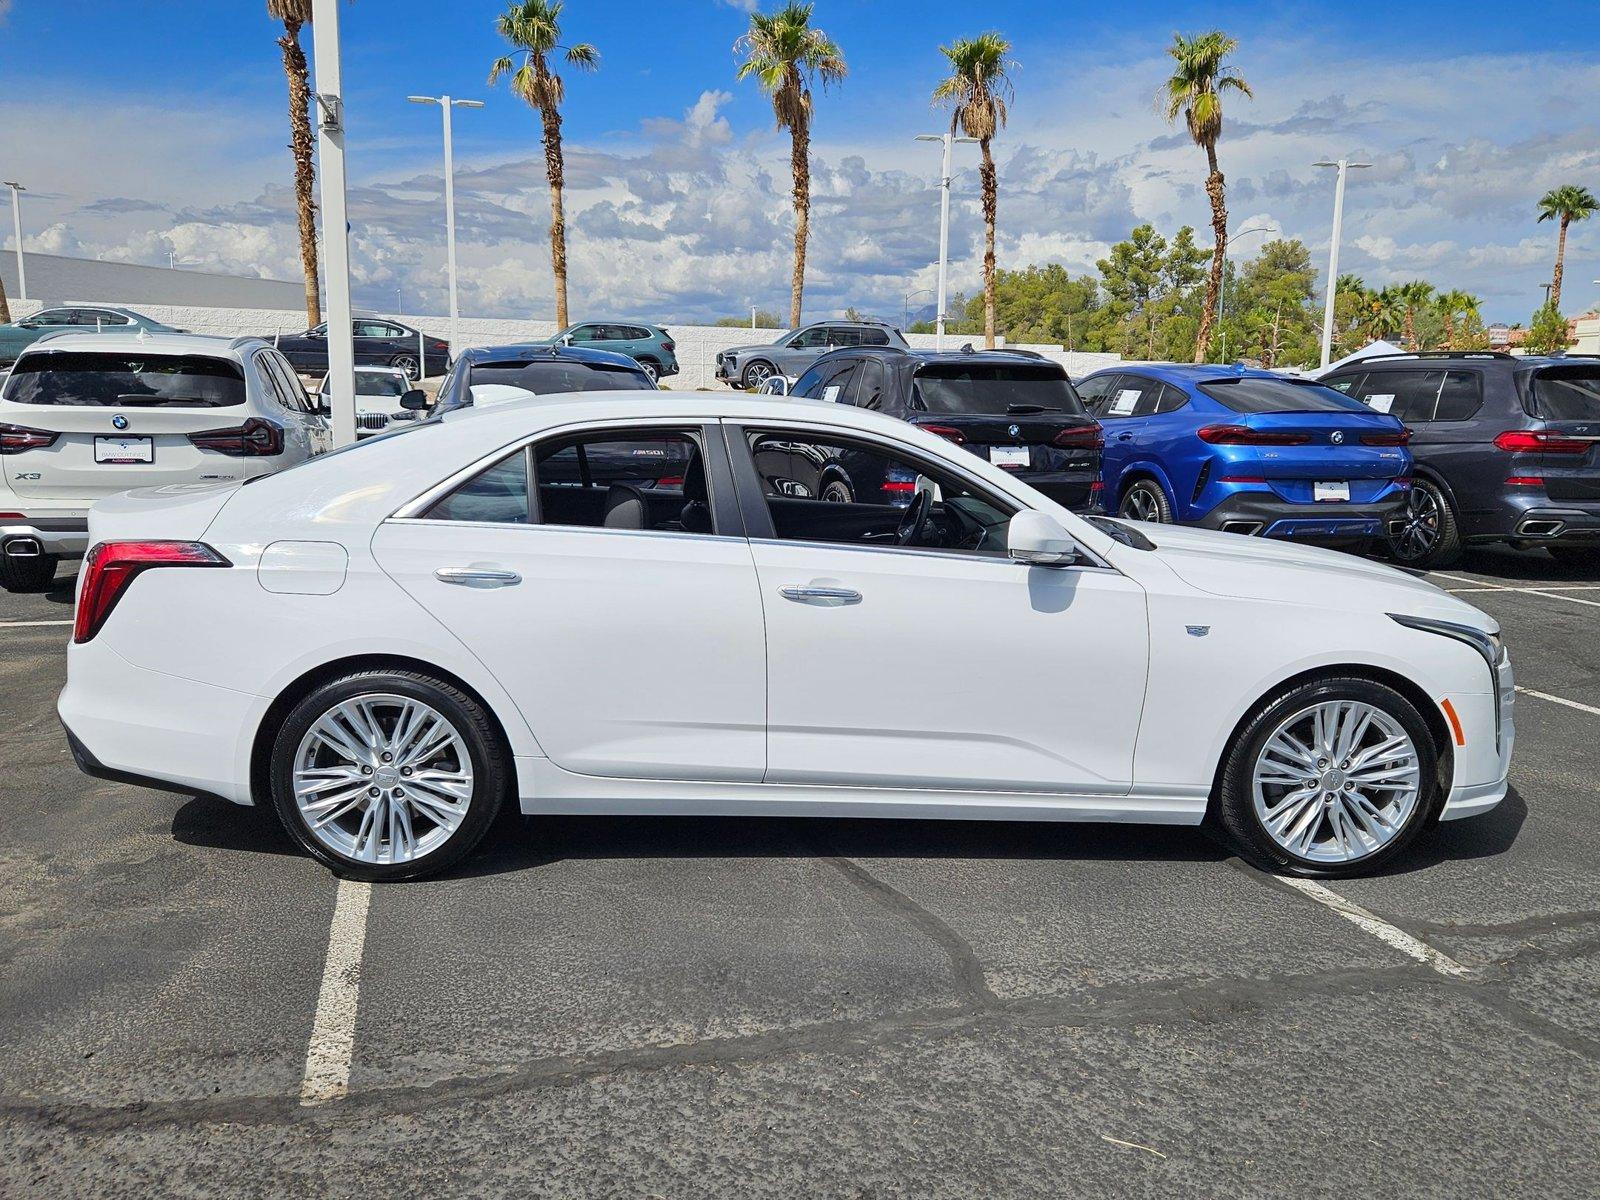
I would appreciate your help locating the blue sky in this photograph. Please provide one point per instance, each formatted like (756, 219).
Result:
(141, 136)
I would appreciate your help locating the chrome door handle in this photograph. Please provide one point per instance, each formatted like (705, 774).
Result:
(477, 577)
(804, 595)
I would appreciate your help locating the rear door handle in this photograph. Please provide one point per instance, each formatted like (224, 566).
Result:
(820, 595)
(1124, 437)
(477, 577)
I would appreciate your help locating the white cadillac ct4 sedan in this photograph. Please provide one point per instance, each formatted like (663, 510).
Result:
(389, 642)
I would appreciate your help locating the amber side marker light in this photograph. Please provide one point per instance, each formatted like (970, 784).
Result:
(1455, 721)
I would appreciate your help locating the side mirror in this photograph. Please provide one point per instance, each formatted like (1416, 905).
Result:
(322, 404)
(30, 324)
(414, 400)
(1039, 541)
(313, 333)
(776, 386)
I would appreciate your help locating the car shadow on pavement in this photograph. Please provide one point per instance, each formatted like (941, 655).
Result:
(1516, 566)
(214, 824)
(1487, 836)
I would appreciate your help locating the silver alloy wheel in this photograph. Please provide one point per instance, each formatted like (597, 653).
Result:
(756, 374)
(652, 370)
(836, 491)
(1415, 533)
(1335, 782)
(1141, 505)
(382, 778)
(407, 364)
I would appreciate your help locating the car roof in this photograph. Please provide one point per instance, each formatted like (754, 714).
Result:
(154, 343)
(535, 351)
(1435, 359)
(1189, 374)
(919, 357)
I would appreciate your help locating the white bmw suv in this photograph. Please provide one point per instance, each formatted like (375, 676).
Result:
(84, 416)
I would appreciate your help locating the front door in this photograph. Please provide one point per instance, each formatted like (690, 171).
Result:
(607, 599)
(906, 650)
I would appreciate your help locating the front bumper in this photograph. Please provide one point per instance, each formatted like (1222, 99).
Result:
(63, 537)
(727, 368)
(1265, 515)
(1477, 761)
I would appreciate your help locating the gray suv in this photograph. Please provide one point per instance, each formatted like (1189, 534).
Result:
(793, 353)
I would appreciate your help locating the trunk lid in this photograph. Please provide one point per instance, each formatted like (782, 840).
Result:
(1323, 448)
(1566, 401)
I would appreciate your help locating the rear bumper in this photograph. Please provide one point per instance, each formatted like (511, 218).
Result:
(64, 537)
(1265, 515)
(1539, 520)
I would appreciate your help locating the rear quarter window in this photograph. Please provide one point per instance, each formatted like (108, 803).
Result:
(90, 380)
(1567, 393)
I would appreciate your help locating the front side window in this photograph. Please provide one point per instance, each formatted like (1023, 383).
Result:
(994, 389)
(1254, 395)
(53, 317)
(809, 339)
(818, 489)
(87, 380)
(1567, 393)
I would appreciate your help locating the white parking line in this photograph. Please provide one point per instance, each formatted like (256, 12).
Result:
(1546, 587)
(333, 1033)
(1480, 585)
(1588, 708)
(29, 624)
(1382, 930)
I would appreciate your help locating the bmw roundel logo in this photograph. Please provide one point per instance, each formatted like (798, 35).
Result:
(1014, 430)
(119, 422)
(1337, 438)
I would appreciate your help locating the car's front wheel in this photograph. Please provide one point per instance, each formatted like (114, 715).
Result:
(387, 775)
(756, 374)
(1332, 777)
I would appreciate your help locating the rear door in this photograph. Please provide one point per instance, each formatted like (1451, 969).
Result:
(120, 420)
(1439, 406)
(1022, 416)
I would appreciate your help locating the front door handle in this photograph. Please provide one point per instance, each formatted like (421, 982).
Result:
(1124, 437)
(820, 595)
(477, 577)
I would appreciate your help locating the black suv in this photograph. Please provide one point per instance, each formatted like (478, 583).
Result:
(1013, 408)
(1506, 449)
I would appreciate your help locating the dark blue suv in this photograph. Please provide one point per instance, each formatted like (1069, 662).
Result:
(1247, 451)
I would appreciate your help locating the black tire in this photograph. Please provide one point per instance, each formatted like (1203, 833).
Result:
(1427, 535)
(1233, 805)
(836, 490)
(408, 364)
(756, 373)
(34, 574)
(1146, 501)
(492, 769)
(651, 368)
(1576, 556)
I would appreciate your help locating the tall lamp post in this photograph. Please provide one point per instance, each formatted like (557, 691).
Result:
(16, 225)
(446, 103)
(329, 99)
(1222, 296)
(1344, 166)
(948, 138)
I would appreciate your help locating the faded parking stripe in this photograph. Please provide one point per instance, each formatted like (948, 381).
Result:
(333, 1033)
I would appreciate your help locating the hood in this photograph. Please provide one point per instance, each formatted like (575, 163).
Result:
(1229, 564)
(749, 348)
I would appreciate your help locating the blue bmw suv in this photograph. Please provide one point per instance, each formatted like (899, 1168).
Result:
(1247, 451)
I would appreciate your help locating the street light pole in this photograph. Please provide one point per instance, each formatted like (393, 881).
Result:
(16, 224)
(1344, 166)
(335, 218)
(948, 138)
(445, 104)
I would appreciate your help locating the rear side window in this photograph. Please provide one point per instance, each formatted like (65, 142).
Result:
(874, 337)
(1171, 399)
(83, 380)
(1276, 396)
(1419, 397)
(497, 494)
(1569, 393)
(994, 389)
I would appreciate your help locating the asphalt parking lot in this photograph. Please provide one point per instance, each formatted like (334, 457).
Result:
(673, 1007)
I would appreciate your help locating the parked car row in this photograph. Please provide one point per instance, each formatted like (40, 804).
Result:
(73, 318)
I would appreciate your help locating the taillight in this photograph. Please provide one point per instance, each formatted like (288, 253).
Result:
(1080, 437)
(256, 437)
(1242, 435)
(1539, 441)
(1242, 479)
(948, 432)
(111, 566)
(14, 439)
(669, 347)
(1401, 481)
(440, 346)
(902, 486)
(1386, 439)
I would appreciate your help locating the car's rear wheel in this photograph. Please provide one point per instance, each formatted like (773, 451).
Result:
(756, 374)
(651, 368)
(837, 491)
(34, 573)
(387, 775)
(408, 364)
(1332, 777)
(1145, 501)
(1427, 534)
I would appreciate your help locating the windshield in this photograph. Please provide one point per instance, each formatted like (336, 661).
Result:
(1278, 396)
(994, 388)
(87, 380)
(380, 383)
(1570, 393)
(558, 375)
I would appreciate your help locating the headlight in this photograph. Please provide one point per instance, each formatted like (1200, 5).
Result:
(1487, 644)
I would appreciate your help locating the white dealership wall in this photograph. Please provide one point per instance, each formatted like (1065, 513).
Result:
(697, 345)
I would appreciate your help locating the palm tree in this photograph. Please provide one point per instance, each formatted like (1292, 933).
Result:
(294, 14)
(1384, 315)
(785, 54)
(1566, 205)
(1412, 296)
(978, 93)
(1453, 305)
(533, 27)
(1195, 89)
